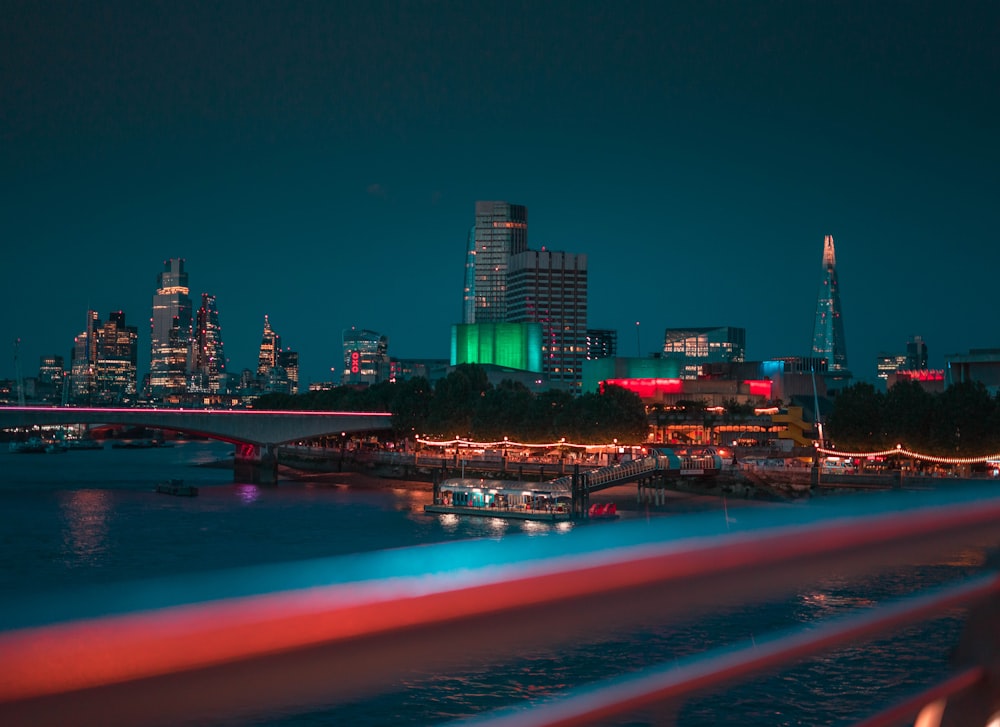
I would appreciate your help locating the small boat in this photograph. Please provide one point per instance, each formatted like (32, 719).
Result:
(35, 445)
(176, 487)
(55, 448)
(603, 512)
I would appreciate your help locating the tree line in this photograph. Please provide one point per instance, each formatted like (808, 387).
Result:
(466, 404)
(963, 420)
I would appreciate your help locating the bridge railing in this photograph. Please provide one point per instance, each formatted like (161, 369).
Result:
(323, 632)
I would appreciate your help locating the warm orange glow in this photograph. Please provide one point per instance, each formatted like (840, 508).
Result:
(901, 451)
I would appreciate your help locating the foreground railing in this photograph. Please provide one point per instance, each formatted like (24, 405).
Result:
(180, 650)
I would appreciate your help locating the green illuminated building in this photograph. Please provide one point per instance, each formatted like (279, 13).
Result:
(514, 345)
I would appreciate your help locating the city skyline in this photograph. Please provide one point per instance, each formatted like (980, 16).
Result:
(321, 166)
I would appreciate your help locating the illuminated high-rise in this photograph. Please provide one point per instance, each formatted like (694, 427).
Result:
(501, 230)
(210, 357)
(82, 360)
(114, 370)
(828, 332)
(170, 329)
(550, 288)
(270, 345)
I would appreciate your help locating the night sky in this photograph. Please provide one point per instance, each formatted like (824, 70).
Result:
(320, 162)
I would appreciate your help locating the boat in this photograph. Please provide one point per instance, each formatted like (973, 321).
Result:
(177, 487)
(55, 448)
(83, 444)
(607, 511)
(35, 445)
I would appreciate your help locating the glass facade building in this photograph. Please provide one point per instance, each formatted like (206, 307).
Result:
(210, 357)
(692, 347)
(501, 230)
(828, 331)
(117, 356)
(171, 332)
(366, 357)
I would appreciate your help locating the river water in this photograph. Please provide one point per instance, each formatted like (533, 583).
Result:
(86, 518)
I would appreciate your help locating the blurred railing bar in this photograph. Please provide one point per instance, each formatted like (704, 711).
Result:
(617, 697)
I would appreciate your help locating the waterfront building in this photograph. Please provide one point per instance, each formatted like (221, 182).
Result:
(550, 289)
(366, 357)
(114, 369)
(170, 332)
(601, 343)
(500, 231)
(828, 330)
(978, 365)
(693, 347)
(508, 345)
(210, 357)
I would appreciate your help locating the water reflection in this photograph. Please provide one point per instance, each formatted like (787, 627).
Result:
(85, 515)
(248, 493)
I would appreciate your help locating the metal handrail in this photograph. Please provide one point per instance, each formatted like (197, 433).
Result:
(174, 650)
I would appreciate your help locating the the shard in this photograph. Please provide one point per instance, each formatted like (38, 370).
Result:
(828, 333)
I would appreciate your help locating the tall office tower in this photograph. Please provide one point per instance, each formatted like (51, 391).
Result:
(550, 288)
(289, 361)
(916, 353)
(170, 330)
(270, 345)
(501, 231)
(828, 334)
(82, 359)
(117, 347)
(209, 358)
(366, 357)
(693, 347)
(51, 375)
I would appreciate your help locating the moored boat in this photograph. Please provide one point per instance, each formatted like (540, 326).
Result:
(176, 487)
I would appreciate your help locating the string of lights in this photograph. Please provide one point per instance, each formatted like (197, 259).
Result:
(900, 451)
(505, 442)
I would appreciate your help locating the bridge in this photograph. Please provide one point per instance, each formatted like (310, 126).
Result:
(255, 432)
(195, 649)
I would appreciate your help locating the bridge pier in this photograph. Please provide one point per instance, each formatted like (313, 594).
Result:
(256, 464)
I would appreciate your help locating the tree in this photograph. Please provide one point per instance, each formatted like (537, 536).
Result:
(856, 419)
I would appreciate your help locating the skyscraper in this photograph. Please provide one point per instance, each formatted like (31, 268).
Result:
(170, 329)
(270, 345)
(114, 369)
(210, 358)
(550, 288)
(82, 359)
(828, 333)
(501, 231)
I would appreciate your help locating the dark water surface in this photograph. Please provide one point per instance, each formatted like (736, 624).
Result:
(85, 518)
